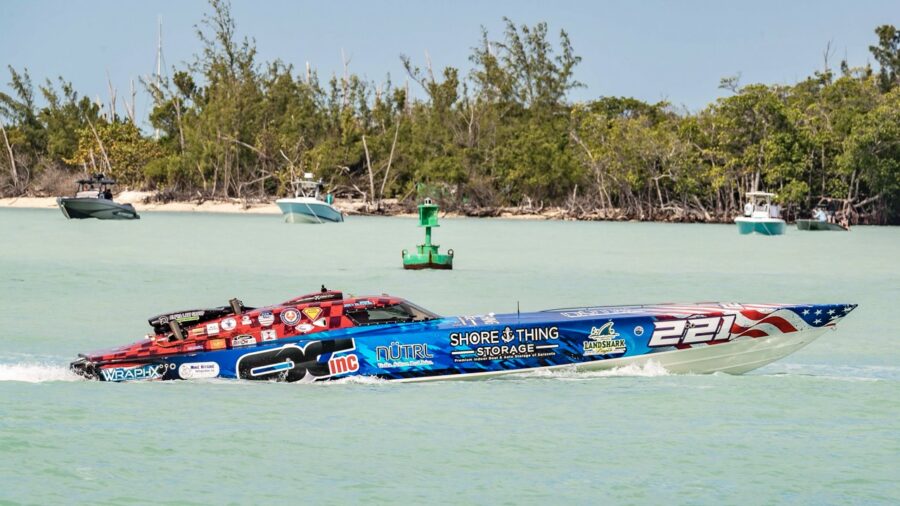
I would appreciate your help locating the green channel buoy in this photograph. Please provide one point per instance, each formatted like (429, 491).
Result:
(426, 255)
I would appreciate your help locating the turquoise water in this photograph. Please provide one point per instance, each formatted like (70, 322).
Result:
(819, 427)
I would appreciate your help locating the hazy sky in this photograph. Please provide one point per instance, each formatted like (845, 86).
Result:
(651, 50)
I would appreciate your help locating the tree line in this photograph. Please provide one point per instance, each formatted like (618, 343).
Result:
(505, 134)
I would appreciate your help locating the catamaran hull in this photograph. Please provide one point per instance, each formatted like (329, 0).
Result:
(308, 211)
(697, 339)
(772, 226)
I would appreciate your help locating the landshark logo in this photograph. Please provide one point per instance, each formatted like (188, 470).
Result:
(603, 341)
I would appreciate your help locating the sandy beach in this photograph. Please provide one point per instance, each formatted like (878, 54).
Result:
(348, 207)
(137, 199)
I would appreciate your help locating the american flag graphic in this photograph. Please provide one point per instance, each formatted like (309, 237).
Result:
(759, 320)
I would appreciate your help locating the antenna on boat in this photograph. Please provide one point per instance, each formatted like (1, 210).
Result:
(159, 64)
(518, 312)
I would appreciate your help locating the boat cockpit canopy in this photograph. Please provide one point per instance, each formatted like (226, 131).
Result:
(402, 312)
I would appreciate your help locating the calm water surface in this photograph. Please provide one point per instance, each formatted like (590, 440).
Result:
(819, 427)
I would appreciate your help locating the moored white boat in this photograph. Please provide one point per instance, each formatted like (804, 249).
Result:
(760, 216)
(306, 206)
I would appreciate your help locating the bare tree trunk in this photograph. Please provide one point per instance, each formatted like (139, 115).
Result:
(369, 165)
(345, 80)
(112, 99)
(390, 159)
(202, 176)
(13, 171)
(180, 126)
(100, 145)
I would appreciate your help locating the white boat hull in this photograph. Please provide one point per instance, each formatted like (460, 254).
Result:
(308, 210)
(762, 226)
(735, 357)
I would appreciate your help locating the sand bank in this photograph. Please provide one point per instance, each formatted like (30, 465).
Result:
(137, 199)
(141, 202)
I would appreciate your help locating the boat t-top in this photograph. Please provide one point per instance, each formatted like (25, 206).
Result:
(306, 206)
(93, 199)
(760, 216)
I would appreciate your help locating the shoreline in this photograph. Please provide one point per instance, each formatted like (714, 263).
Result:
(390, 208)
(348, 207)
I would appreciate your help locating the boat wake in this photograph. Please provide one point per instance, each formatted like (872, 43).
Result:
(356, 380)
(649, 369)
(37, 372)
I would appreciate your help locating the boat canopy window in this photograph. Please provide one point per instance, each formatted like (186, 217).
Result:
(398, 313)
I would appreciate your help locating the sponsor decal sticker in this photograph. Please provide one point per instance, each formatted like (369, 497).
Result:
(216, 344)
(228, 324)
(343, 364)
(138, 372)
(312, 313)
(243, 340)
(403, 355)
(639, 331)
(599, 311)
(185, 316)
(603, 340)
(504, 344)
(290, 317)
(304, 328)
(487, 319)
(691, 331)
(266, 318)
(212, 329)
(245, 320)
(318, 297)
(268, 335)
(197, 370)
(313, 361)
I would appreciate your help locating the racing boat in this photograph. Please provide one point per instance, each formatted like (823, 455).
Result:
(326, 335)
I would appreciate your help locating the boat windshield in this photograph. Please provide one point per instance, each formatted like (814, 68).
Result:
(398, 313)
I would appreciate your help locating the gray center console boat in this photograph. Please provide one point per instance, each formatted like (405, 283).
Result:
(94, 200)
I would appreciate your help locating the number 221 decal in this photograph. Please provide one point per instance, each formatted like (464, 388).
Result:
(691, 331)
